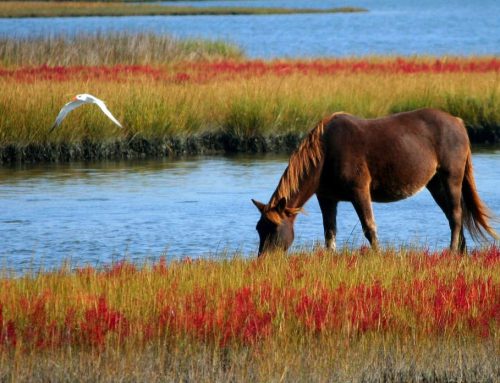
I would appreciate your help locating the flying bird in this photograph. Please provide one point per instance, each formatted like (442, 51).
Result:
(79, 100)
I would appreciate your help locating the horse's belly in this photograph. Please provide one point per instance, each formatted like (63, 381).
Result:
(398, 186)
(395, 193)
(401, 173)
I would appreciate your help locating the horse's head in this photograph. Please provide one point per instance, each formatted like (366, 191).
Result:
(275, 226)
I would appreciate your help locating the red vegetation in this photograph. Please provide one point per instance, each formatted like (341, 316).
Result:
(428, 303)
(98, 322)
(70, 73)
(207, 71)
(7, 331)
(330, 67)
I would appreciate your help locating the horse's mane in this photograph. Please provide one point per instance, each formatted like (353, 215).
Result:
(305, 158)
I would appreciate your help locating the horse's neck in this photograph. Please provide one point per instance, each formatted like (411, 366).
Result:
(297, 196)
(299, 199)
(301, 178)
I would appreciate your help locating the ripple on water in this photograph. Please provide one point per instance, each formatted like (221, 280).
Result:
(16, 222)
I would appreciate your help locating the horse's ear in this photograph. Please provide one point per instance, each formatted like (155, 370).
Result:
(259, 205)
(281, 206)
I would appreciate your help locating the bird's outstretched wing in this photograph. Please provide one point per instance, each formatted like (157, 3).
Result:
(106, 111)
(64, 111)
(75, 103)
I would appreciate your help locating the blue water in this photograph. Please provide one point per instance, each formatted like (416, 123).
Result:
(199, 207)
(394, 27)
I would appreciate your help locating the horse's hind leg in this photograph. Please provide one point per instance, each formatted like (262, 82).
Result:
(328, 208)
(447, 192)
(363, 205)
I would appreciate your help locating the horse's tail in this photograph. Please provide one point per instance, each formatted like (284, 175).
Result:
(476, 215)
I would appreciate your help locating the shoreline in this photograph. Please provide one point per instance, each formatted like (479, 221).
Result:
(42, 9)
(138, 147)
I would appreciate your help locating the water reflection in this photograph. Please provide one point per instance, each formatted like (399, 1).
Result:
(89, 171)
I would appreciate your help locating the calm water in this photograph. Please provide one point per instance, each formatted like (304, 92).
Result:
(93, 213)
(396, 27)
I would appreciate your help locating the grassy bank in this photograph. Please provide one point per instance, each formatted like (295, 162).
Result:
(185, 106)
(191, 96)
(94, 8)
(397, 315)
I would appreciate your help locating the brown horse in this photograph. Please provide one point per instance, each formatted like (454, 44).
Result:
(346, 158)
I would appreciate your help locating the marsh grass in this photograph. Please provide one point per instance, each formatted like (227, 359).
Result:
(241, 106)
(111, 49)
(405, 315)
(171, 106)
(96, 8)
(311, 361)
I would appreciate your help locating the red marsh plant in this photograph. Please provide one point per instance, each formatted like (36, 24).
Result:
(203, 71)
(248, 302)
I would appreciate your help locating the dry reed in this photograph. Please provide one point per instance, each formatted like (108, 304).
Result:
(111, 49)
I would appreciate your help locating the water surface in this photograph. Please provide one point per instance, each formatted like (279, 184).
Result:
(391, 27)
(198, 207)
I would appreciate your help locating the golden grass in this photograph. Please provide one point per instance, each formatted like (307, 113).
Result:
(239, 105)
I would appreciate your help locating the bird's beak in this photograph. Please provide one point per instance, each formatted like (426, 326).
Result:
(74, 99)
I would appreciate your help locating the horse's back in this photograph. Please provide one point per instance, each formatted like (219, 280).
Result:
(398, 154)
(437, 130)
(425, 122)
(425, 129)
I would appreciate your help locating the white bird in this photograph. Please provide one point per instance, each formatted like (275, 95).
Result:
(79, 100)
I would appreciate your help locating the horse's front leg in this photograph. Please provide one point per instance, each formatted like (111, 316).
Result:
(363, 205)
(328, 208)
